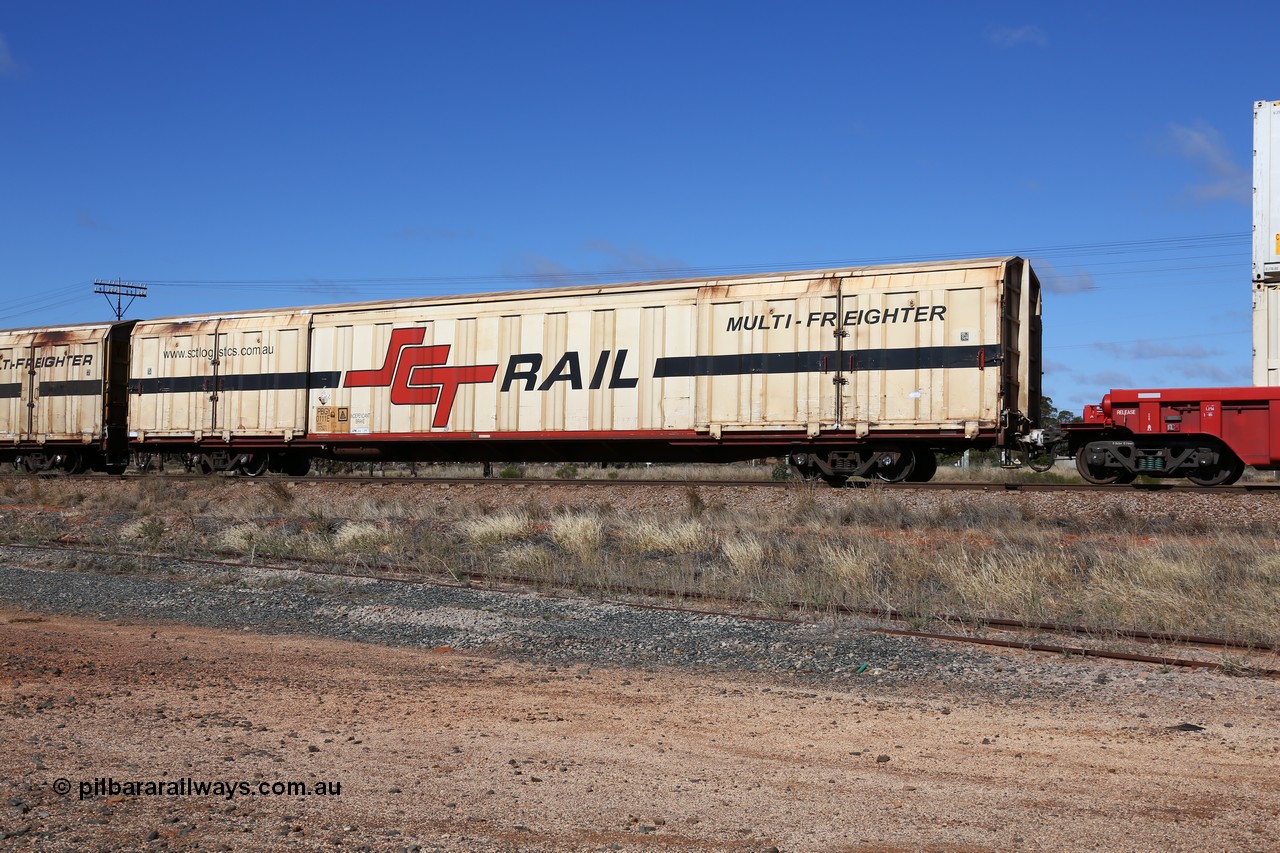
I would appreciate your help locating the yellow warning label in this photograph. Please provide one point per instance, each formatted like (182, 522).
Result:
(333, 419)
(1278, 244)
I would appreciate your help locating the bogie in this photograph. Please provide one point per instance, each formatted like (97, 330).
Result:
(1200, 459)
(889, 464)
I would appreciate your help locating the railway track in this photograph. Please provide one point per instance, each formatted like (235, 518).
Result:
(996, 632)
(525, 483)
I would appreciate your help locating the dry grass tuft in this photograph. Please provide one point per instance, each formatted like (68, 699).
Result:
(241, 537)
(529, 560)
(149, 530)
(998, 581)
(746, 555)
(581, 534)
(666, 536)
(869, 507)
(850, 566)
(359, 536)
(498, 529)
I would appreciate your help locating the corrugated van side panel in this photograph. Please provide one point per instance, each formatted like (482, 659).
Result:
(68, 383)
(171, 378)
(571, 363)
(263, 376)
(15, 347)
(242, 376)
(766, 354)
(510, 337)
(666, 331)
(915, 339)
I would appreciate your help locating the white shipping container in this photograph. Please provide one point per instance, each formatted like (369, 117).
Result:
(1266, 243)
(1266, 334)
(1266, 191)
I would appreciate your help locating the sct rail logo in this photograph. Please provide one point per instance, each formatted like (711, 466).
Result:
(417, 374)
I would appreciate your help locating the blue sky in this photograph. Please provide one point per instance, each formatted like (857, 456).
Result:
(241, 155)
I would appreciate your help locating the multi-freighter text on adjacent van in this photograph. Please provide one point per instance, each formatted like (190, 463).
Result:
(42, 361)
(857, 317)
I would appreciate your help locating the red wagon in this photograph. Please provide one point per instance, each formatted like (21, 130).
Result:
(1207, 435)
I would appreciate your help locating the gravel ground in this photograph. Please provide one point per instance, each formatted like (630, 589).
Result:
(480, 720)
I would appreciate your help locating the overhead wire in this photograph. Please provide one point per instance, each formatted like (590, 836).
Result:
(355, 288)
(37, 303)
(570, 276)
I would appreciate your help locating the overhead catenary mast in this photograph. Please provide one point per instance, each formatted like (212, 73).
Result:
(120, 289)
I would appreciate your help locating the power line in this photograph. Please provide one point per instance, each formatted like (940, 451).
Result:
(1046, 252)
(33, 305)
(338, 288)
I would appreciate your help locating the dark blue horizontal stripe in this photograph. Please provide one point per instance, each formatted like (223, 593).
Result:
(72, 388)
(817, 361)
(9, 390)
(236, 382)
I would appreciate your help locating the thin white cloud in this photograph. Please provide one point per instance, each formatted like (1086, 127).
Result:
(1056, 366)
(1054, 280)
(1234, 375)
(540, 268)
(8, 65)
(1106, 379)
(1010, 37)
(1156, 349)
(632, 258)
(624, 261)
(85, 219)
(1221, 177)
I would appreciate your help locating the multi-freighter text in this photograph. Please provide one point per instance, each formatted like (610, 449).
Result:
(41, 361)
(857, 317)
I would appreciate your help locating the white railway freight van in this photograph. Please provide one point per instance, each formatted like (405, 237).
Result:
(62, 397)
(860, 371)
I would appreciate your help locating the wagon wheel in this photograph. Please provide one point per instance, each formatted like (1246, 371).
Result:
(895, 470)
(36, 463)
(202, 464)
(1099, 475)
(71, 462)
(1228, 471)
(803, 465)
(926, 466)
(254, 465)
